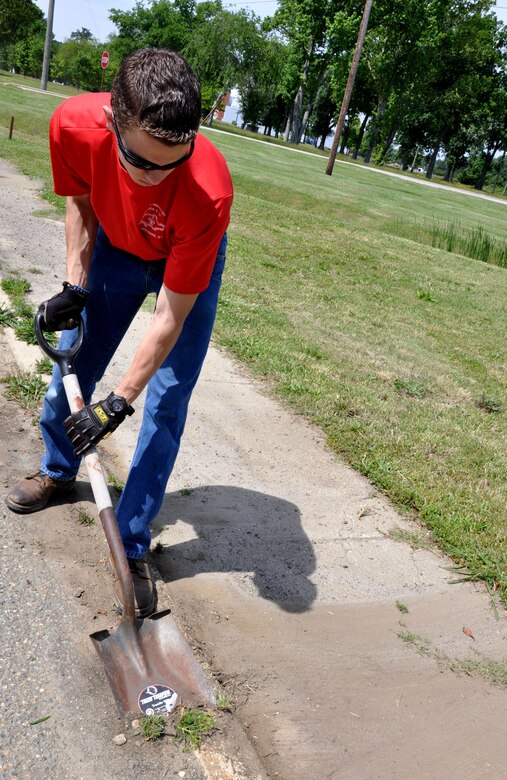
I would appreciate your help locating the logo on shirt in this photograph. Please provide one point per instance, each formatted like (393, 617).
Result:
(152, 223)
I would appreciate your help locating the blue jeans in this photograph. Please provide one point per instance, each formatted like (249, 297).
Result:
(118, 283)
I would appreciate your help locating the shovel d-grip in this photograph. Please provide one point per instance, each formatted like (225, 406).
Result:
(148, 663)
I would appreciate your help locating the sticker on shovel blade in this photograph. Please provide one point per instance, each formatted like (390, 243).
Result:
(157, 698)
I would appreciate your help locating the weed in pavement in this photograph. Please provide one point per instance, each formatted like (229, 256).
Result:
(44, 366)
(419, 643)
(15, 288)
(402, 607)
(115, 483)
(153, 727)
(223, 702)
(21, 317)
(417, 540)
(25, 387)
(24, 330)
(192, 726)
(7, 317)
(39, 720)
(488, 668)
(85, 518)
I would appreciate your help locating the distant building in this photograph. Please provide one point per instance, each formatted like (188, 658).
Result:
(224, 104)
(232, 111)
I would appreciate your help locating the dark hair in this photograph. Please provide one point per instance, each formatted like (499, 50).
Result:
(157, 91)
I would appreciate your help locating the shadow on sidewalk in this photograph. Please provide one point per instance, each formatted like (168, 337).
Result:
(241, 530)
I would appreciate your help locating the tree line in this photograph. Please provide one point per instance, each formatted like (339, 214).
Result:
(431, 88)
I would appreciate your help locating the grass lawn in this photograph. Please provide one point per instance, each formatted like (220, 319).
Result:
(394, 347)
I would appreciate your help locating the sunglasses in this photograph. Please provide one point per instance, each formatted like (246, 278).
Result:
(146, 165)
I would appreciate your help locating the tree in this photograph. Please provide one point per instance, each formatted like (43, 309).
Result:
(259, 85)
(226, 49)
(394, 56)
(17, 18)
(304, 24)
(26, 55)
(83, 34)
(465, 57)
(324, 113)
(163, 24)
(491, 131)
(78, 63)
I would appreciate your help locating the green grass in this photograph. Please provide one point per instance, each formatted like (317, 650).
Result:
(223, 702)
(44, 366)
(28, 148)
(153, 727)
(85, 518)
(21, 316)
(115, 483)
(7, 317)
(25, 387)
(16, 288)
(478, 665)
(418, 540)
(474, 242)
(192, 726)
(394, 347)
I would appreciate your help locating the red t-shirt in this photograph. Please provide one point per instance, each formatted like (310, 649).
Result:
(182, 219)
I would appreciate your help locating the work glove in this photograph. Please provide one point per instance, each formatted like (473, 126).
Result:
(62, 311)
(96, 421)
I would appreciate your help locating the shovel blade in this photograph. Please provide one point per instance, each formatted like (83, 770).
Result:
(150, 666)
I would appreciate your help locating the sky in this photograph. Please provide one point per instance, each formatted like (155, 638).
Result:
(71, 15)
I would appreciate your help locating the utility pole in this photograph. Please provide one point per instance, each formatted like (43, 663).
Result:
(350, 85)
(47, 46)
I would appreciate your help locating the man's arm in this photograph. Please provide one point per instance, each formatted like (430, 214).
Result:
(81, 226)
(170, 313)
(63, 310)
(88, 426)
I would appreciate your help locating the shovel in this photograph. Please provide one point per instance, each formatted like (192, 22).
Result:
(149, 665)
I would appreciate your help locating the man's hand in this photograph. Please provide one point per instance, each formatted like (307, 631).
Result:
(62, 311)
(96, 421)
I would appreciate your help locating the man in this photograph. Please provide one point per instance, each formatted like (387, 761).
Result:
(148, 204)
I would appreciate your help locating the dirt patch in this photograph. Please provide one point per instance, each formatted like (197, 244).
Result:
(56, 591)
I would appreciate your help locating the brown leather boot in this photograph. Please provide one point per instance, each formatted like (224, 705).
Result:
(145, 592)
(35, 491)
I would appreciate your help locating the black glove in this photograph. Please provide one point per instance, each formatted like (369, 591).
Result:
(62, 311)
(96, 421)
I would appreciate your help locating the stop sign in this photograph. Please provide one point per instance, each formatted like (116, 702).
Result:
(105, 59)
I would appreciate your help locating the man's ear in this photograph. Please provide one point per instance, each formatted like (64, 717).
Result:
(108, 113)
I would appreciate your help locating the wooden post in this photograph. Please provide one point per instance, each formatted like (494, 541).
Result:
(47, 46)
(11, 128)
(350, 84)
